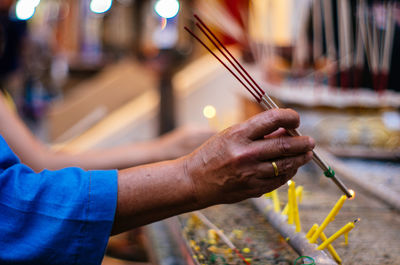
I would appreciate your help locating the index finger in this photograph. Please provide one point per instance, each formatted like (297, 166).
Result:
(271, 120)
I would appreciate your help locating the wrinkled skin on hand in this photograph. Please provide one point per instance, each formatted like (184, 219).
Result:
(236, 164)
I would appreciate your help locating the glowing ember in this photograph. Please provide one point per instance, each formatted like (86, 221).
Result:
(163, 23)
(353, 194)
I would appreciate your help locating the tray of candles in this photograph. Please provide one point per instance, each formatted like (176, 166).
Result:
(234, 234)
(259, 231)
(325, 228)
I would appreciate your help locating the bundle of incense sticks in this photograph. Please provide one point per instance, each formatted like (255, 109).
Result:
(378, 49)
(255, 90)
(371, 39)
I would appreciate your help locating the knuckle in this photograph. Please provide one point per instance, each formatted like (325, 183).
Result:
(283, 145)
(260, 152)
(230, 131)
(301, 160)
(236, 131)
(287, 165)
(232, 154)
(236, 156)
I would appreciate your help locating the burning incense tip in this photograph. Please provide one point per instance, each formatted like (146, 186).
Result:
(209, 112)
(289, 181)
(163, 23)
(353, 194)
(357, 220)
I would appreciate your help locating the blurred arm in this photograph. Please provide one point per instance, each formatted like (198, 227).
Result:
(38, 156)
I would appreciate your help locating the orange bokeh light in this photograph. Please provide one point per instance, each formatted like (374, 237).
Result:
(163, 23)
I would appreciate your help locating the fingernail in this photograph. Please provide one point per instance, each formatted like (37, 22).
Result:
(311, 142)
(309, 155)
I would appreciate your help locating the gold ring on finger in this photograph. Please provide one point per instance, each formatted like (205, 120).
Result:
(275, 169)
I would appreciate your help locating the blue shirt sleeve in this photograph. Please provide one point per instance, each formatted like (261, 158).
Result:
(54, 217)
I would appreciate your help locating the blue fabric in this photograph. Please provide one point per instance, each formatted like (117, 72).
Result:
(54, 217)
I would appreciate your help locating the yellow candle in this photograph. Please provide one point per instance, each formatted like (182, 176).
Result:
(346, 239)
(275, 199)
(329, 218)
(331, 249)
(343, 230)
(296, 211)
(299, 196)
(289, 204)
(286, 209)
(311, 231)
(267, 195)
(323, 237)
(299, 193)
(291, 194)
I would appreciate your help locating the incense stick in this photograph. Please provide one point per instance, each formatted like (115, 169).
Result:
(301, 47)
(259, 93)
(230, 54)
(265, 101)
(347, 31)
(359, 57)
(329, 32)
(389, 36)
(387, 48)
(364, 33)
(205, 46)
(317, 30)
(359, 54)
(221, 234)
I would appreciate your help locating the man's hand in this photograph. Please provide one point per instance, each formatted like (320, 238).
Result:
(231, 166)
(236, 164)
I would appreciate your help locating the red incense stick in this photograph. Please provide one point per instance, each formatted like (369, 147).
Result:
(258, 93)
(230, 54)
(229, 60)
(258, 98)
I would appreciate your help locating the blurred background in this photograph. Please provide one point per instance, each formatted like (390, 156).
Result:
(95, 73)
(69, 64)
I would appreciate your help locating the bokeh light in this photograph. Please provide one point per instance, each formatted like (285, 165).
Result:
(25, 9)
(100, 6)
(167, 8)
(34, 2)
(209, 112)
